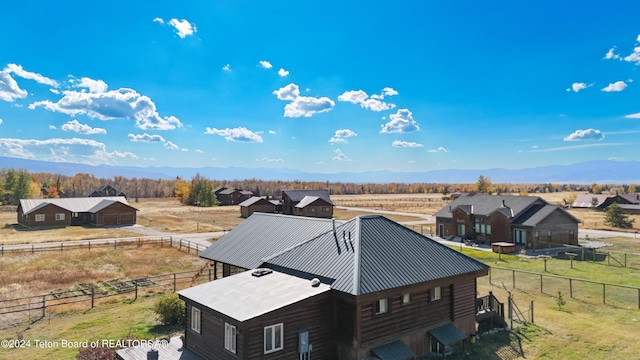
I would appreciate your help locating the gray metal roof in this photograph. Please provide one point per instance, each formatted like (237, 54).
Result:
(254, 199)
(585, 200)
(632, 198)
(395, 350)
(381, 255)
(448, 334)
(308, 200)
(261, 235)
(228, 191)
(244, 296)
(83, 204)
(484, 204)
(298, 195)
(629, 206)
(539, 212)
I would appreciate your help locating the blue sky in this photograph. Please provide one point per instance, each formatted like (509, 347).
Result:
(321, 86)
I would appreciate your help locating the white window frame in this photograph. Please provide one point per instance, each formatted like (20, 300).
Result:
(196, 319)
(59, 216)
(270, 344)
(40, 217)
(230, 335)
(436, 293)
(382, 306)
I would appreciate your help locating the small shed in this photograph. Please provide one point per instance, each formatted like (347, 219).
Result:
(256, 204)
(503, 247)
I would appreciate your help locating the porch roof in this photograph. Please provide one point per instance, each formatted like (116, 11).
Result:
(395, 350)
(447, 334)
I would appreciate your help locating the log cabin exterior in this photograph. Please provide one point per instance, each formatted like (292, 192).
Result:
(390, 289)
(526, 221)
(292, 198)
(99, 211)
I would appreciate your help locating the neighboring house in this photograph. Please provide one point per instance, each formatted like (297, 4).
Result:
(76, 211)
(630, 208)
(598, 201)
(232, 196)
(363, 288)
(632, 198)
(106, 191)
(527, 221)
(315, 203)
(256, 204)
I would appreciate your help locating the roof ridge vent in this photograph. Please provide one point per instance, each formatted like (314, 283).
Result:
(261, 272)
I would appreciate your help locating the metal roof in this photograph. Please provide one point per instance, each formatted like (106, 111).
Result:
(484, 204)
(632, 198)
(254, 199)
(395, 350)
(298, 195)
(378, 255)
(308, 200)
(83, 204)
(586, 200)
(228, 191)
(539, 212)
(448, 334)
(261, 235)
(244, 296)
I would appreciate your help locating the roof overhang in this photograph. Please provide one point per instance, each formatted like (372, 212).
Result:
(447, 334)
(395, 350)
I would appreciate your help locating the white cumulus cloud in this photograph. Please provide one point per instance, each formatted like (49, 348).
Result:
(198, 151)
(0, 121)
(282, 72)
(265, 64)
(401, 122)
(577, 86)
(588, 134)
(409, 144)
(158, 20)
(115, 104)
(57, 149)
(302, 106)
(240, 134)
(340, 156)
(94, 86)
(170, 145)
(389, 91)
(183, 27)
(76, 126)
(341, 136)
(615, 87)
(439, 149)
(227, 67)
(145, 138)
(9, 89)
(373, 103)
(19, 71)
(611, 55)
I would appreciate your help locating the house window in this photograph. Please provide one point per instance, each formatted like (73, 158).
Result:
(477, 228)
(483, 229)
(312, 209)
(488, 230)
(325, 209)
(195, 319)
(406, 298)
(273, 338)
(436, 293)
(60, 217)
(382, 306)
(230, 337)
(39, 217)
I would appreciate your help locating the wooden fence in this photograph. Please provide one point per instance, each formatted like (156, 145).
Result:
(585, 290)
(33, 308)
(169, 241)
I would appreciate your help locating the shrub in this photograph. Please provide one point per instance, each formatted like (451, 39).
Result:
(170, 309)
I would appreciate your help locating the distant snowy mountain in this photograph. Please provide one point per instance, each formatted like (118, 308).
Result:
(581, 173)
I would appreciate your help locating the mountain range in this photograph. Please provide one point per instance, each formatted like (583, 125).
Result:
(601, 171)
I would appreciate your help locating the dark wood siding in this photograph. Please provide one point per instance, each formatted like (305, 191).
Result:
(49, 211)
(464, 305)
(459, 216)
(112, 215)
(209, 343)
(563, 228)
(500, 228)
(312, 315)
(246, 211)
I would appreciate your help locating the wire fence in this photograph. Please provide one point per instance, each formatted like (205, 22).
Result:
(33, 308)
(115, 244)
(584, 290)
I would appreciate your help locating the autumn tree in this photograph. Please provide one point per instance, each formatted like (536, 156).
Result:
(596, 189)
(182, 190)
(17, 185)
(483, 184)
(201, 192)
(616, 218)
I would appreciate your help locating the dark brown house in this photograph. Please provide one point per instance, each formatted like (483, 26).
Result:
(256, 204)
(232, 196)
(315, 203)
(98, 211)
(106, 191)
(367, 287)
(526, 221)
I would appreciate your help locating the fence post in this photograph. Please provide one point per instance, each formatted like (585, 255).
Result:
(604, 299)
(115, 244)
(180, 244)
(135, 282)
(490, 283)
(608, 258)
(541, 292)
(3, 251)
(570, 288)
(531, 307)
(625, 259)
(44, 304)
(174, 282)
(93, 295)
(61, 248)
(513, 275)
(638, 298)
(89, 245)
(32, 249)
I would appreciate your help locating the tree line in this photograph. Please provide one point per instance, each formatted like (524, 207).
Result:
(16, 184)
